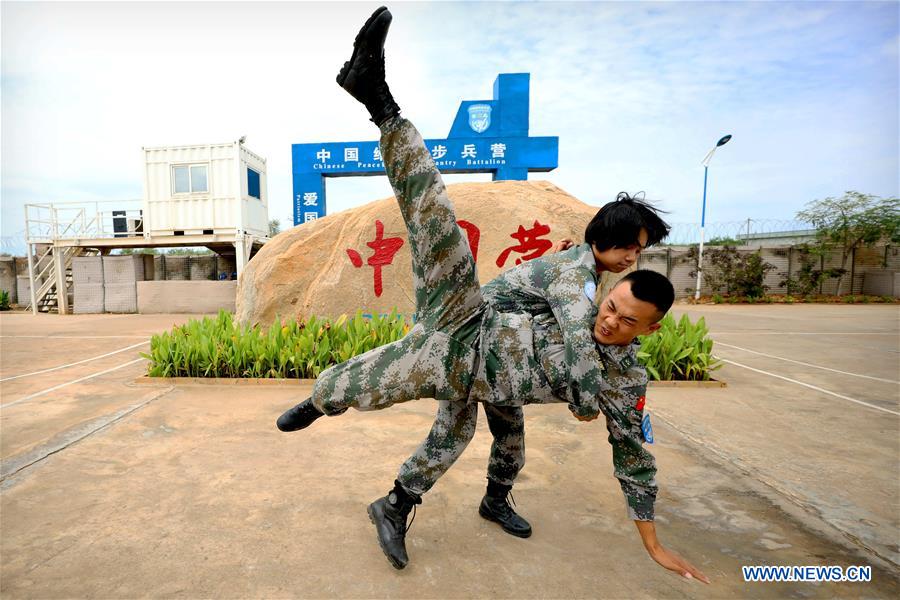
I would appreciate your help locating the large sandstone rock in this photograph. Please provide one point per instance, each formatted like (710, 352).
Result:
(312, 269)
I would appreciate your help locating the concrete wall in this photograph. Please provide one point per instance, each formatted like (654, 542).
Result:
(192, 297)
(8, 281)
(882, 283)
(672, 262)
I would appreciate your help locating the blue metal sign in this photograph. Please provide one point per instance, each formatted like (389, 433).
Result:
(487, 136)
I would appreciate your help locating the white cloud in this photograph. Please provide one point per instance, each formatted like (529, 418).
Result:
(637, 92)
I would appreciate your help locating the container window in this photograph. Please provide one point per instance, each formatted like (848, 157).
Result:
(198, 179)
(189, 179)
(253, 184)
(182, 179)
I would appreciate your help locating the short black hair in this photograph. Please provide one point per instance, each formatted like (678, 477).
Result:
(619, 223)
(652, 287)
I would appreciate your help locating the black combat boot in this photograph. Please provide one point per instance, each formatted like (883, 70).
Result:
(299, 417)
(389, 515)
(363, 75)
(495, 507)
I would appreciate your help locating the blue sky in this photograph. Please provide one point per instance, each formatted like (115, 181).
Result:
(637, 93)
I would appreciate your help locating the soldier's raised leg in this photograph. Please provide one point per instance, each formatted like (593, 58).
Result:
(448, 297)
(435, 359)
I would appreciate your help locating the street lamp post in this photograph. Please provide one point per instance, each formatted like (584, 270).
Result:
(724, 140)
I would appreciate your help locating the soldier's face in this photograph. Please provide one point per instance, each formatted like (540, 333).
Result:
(618, 259)
(622, 317)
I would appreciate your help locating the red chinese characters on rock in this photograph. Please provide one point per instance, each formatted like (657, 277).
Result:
(385, 249)
(528, 242)
(530, 246)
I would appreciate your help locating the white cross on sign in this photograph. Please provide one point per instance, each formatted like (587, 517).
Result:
(323, 155)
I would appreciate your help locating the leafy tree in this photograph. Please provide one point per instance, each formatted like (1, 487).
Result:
(274, 227)
(723, 241)
(740, 273)
(189, 251)
(137, 251)
(852, 221)
(807, 278)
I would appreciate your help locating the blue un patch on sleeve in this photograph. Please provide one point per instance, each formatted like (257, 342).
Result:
(646, 429)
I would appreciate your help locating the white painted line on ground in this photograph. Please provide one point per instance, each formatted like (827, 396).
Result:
(806, 363)
(62, 385)
(74, 363)
(818, 389)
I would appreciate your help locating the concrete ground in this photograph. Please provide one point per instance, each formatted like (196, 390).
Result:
(112, 489)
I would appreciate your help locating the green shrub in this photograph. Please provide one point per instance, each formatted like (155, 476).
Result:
(718, 299)
(222, 348)
(219, 347)
(4, 300)
(807, 279)
(680, 351)
(736, 272)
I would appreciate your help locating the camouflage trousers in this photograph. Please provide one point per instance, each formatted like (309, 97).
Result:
(436, 359)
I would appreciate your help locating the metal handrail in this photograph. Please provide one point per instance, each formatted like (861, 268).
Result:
(50, 222)
(83, 202)
(80, 212)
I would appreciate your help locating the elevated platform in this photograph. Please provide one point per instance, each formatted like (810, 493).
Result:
(221, 243)
(57, 233)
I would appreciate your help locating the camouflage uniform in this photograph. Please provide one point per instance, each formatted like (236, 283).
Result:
(463, 350)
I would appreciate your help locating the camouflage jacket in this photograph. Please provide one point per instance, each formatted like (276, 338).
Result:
(563, 286)
(555, 295)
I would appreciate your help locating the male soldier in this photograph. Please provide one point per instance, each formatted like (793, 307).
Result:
(462, 350)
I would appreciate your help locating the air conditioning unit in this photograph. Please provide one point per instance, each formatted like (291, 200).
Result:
(126, 226)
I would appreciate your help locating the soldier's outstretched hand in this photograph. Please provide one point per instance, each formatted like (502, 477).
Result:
(673, 562)
(665, 557)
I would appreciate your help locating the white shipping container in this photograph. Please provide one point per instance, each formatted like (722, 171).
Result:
(205, 189)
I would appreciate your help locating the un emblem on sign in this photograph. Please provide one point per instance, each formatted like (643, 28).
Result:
(480, 117)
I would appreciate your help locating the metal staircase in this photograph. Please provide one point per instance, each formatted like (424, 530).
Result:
(56, 234)
(46, 297)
